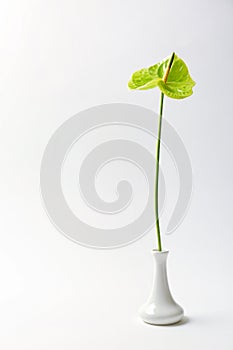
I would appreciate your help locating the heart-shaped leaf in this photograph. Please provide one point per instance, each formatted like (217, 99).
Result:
(178, 85)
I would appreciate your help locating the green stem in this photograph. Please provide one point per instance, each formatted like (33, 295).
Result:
(157, 173)
(158, 156)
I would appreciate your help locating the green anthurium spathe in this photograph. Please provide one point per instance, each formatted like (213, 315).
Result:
(179, 83)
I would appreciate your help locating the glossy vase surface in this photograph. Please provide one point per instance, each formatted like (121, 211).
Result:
(161, 308)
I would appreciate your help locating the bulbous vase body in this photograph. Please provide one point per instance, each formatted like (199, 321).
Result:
(160, 308)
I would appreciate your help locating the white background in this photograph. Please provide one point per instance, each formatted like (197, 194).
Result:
(58, 58)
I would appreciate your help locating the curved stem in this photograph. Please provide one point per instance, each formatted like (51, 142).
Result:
(158, 156)
(157, 173)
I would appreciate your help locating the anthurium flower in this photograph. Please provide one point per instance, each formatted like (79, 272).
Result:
(172, 77)
(178, 85)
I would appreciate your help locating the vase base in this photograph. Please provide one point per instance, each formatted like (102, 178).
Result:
(161, 317)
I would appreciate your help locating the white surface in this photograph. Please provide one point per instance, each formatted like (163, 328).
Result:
(57, 58)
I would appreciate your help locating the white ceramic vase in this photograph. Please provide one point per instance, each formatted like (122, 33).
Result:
(160, 308)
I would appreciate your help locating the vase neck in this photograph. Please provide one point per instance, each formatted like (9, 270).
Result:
(160, 257)
(161, 291)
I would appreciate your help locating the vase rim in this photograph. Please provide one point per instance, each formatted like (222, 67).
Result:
(160, 251)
